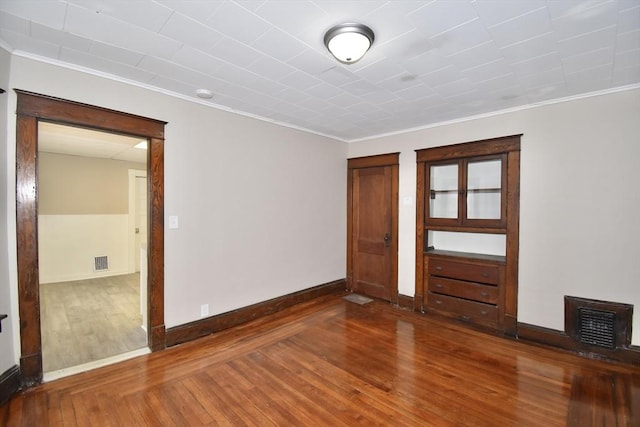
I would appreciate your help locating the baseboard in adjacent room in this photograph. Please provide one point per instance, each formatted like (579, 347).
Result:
(200, 328)
(559, 339)
(9, 384)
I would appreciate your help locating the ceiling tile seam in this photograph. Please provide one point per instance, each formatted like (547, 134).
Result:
(500, 112)
(580, 8)
(463, 70)
(590, 52)
(615, 47)
(519, 16)
(164, 24)
(271, 24)
(502, 76)
(585, 34)
(536, 58)
(467, 49)
(527, 40)
(633, 6)
(455, 27)
(5, 46)
(82, 69)
(585, 70)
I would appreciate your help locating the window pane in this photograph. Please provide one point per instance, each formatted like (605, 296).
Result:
(443, 197)
(484, 179)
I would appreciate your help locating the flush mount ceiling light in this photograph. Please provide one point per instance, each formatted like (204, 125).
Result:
(204, 93)
(348, 42)
(142, 145)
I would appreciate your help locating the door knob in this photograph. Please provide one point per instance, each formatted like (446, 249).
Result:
(387, 239)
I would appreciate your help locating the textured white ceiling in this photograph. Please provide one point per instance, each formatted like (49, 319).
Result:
(62, 139)
(432, 61)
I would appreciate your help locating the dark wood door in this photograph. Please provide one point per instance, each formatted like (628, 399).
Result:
(373, 239)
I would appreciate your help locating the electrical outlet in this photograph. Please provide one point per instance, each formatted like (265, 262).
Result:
(204, 310)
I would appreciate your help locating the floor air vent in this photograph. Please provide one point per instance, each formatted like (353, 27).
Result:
(101, 263)
(596, 327)
(598, 324)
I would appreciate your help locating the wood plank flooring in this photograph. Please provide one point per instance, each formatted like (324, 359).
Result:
(330, 362)
(88, 320)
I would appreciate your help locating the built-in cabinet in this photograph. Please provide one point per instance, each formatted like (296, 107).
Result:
(467, 231)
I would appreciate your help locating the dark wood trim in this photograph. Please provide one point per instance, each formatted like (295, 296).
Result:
(374, 161)
(75, 113)
(483, 147)
(203, 327)
(9, 384)
(349, 277)
(31, 108)
(395, 189)
(405, 301)
(420, 265)
(27, 250)
(155, 261)
(558, 339)
(513, 241)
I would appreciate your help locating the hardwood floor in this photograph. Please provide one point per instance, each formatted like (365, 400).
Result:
(331, 362)
(88, 320)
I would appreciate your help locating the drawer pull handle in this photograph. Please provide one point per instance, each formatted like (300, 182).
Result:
(439, 267)
(439, 285)
(438, 301)
(466, 318)
(484, 294)
(483, 312)
(485, 274)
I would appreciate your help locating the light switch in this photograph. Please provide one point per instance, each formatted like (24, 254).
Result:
(173, 221)
(408, 201)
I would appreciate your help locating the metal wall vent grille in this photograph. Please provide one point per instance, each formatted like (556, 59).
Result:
(597, 327)
(101, 263)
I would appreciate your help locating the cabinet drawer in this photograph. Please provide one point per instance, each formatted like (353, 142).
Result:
(465, 271)
(470, 311)
(467, 290)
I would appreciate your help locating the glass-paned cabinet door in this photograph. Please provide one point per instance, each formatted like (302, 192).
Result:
(444, 188)
(484, 189)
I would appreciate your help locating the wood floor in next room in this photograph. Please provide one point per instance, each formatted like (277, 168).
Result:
(331, 362)
(88, 320)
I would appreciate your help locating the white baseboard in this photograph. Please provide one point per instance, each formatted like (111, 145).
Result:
(83, 276)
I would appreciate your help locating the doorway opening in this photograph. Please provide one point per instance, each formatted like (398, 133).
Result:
(31, 110)
(90, 295)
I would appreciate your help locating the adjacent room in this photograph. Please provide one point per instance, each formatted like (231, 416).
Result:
(92, 259)
(434, 223)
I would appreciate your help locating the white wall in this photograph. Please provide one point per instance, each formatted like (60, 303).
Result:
(261, 207)
(67, 245)
(7, 356)
(580, 200)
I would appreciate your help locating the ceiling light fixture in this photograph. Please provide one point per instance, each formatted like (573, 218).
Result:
(204, 93)
(142, 145)
(349, 42)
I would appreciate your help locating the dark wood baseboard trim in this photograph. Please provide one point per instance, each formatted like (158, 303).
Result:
(31, 369)
(406, 302)
(9, 384)
(200, 328)
(559, 339)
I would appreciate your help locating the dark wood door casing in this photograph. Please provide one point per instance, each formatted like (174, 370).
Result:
(382, 170)
(32, 108)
